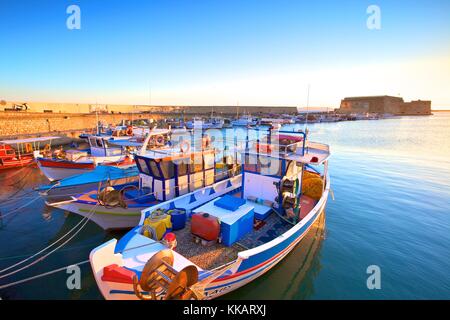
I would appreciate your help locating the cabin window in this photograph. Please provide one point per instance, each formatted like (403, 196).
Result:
(168, 169)
(100, 143)
(10, 152)
(269, 166)
(209, 161)
(154, 169)
(196, 164)
(197, 167)
(182, 169)
(143, 166)
(93, 142)
(251, 163)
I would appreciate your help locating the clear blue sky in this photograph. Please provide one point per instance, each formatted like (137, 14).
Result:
(219, 52)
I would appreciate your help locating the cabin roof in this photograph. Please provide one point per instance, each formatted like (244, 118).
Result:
(28, 140)
(313, 149)
(173, 153)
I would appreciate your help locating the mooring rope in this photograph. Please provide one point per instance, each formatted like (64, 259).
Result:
(19, 171)
(25, 205)
(42, 275)
(13, 197)
(19, 180)
(85, 220)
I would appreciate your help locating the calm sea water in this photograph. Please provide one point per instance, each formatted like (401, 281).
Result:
(391, 181)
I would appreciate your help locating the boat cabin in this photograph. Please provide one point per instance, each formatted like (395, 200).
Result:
(171, 173)
(274, 174)
(100, 147)
(7, 152)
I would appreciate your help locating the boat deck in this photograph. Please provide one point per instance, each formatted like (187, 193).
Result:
(217, 254)
(206, 257)
(264, 232)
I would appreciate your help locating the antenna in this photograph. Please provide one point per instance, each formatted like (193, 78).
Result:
(307, 110)
(150, 95)
(96, 116)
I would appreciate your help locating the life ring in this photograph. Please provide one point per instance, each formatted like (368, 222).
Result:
(185, 146)
(129, 131)
(159, 140)
(28, 148)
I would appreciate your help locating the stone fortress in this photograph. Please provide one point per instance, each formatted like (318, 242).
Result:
(384, 105)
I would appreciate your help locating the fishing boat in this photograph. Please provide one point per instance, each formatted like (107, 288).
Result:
(20, 152)
(234, 230)
(212, 123)
(275, 121)
(104, 150)
(165, 174)
(64, 189)
(245, 120)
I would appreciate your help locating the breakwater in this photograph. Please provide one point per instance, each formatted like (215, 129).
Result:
(20, 124)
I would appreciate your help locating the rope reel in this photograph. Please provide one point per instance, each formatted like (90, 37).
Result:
(289, 200)
(288, 185)
(162, 281)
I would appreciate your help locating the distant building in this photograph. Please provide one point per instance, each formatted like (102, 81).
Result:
(384, 104)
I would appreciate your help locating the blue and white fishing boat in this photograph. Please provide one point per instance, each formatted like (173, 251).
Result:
(245, 120)
(165, 174)
(206, 242)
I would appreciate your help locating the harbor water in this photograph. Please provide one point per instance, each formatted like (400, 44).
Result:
(391, 183)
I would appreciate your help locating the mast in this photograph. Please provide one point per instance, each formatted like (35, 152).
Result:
(96, 117)
(307, 110)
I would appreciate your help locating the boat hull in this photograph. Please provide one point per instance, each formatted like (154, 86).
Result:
(57, 170)
(106, 218)
(16, 163)
(64, 193)
(61, 169)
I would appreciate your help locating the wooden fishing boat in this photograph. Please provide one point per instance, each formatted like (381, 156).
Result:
(236, 229)
(20, 152)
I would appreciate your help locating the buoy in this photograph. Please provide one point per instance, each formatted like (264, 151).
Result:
(170, 239)
(129, 131)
